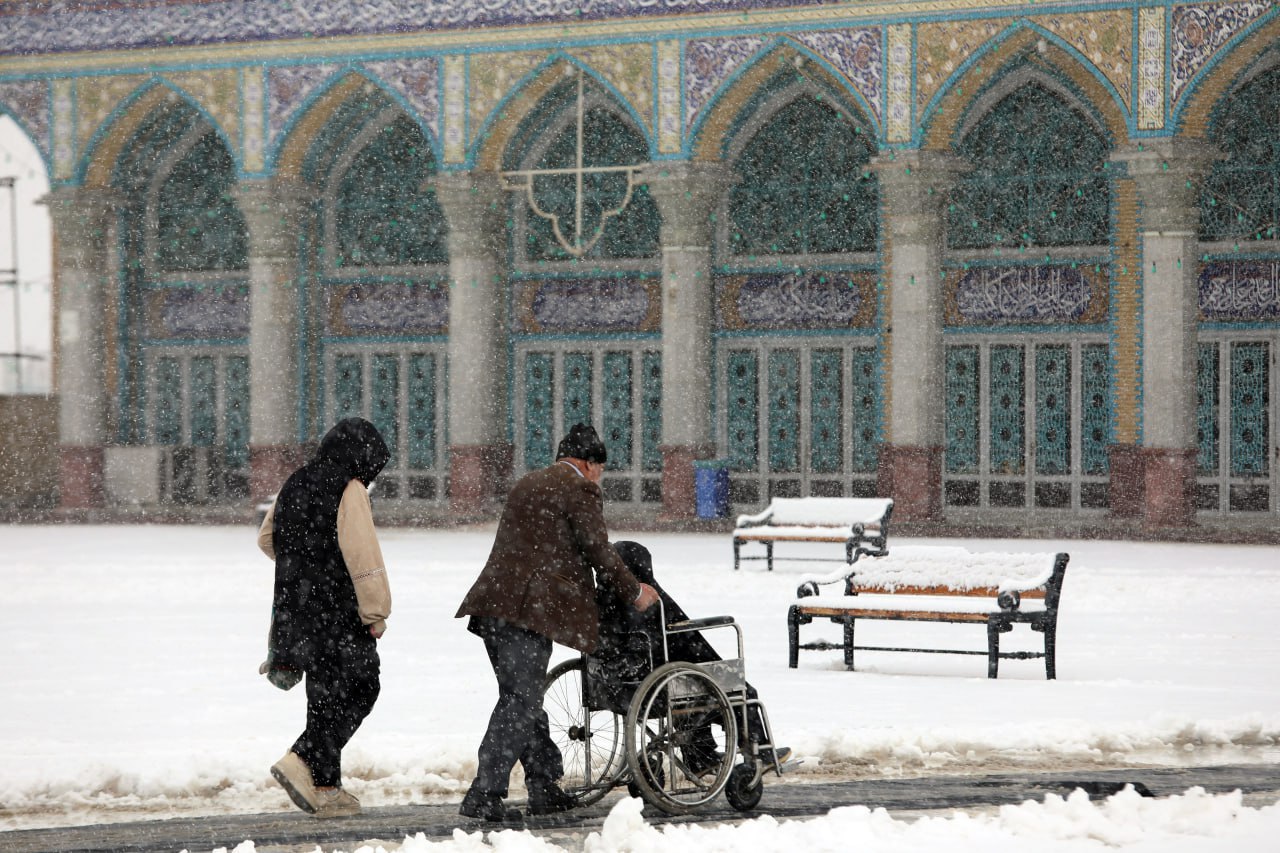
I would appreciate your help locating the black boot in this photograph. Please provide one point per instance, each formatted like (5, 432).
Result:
(549, 798)
(488, 807)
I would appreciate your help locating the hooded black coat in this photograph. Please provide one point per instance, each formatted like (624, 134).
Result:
(315, 602)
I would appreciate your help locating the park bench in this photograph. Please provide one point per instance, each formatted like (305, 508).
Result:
(939, 584)
(860, 524)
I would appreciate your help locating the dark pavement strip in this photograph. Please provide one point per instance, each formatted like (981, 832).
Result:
(798, 799)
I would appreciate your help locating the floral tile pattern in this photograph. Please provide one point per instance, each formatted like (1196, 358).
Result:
(418, 81)
(857, 55)
(28, 101)
(708, 63)
(1198, 32)
(290, 87)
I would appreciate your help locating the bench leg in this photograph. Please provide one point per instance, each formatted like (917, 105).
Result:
(737, 562)
(793, 636)
(768, 548)
(1051, 652)
(848, 643)
(993, 648)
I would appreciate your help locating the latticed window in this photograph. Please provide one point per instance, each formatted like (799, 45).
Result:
(1039, 177)
(606, 141)
(805, 187)
(1241, 197)
(199, 227)
(384, 216)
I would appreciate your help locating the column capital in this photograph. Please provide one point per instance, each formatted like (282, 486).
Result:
(81, 215)
(273, 210)
(917, 181)
(1167, 173)
(686, 193)
(475, 206)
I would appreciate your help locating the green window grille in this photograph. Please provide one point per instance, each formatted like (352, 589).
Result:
(199, 226)
(168, 403)
(826, 416)
(1095, 420)
(1039, 177)
(1008, 407)
(962, 409)
(422, 410)
(651, 417)
(607, 140)
(383, 214)
(577, 389)
(204, 402)
(865, 450)
(236, 412)
(743, 410)
(805, 186)
(348, 387)
(1207, 408)
(1240, 200)
(384, 399)
(784, 410)
(1250, 442)
(539, 387)
(616, 392)
(1053, 410)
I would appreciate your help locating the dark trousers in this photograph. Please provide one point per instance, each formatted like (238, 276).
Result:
(342, 686)
(518, 729)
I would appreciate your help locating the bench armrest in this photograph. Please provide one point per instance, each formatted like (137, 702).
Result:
(756, 520)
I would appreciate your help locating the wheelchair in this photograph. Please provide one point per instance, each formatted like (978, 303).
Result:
(632, 720)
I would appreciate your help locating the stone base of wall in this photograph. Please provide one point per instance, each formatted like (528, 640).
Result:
(679, 491)
(912, 476)
(270, 466)
(1169, 478)
(28, 450)
(1127, 489)
(81, 477)
(479, 477)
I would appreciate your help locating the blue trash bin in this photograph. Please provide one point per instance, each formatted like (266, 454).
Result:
(711, 487)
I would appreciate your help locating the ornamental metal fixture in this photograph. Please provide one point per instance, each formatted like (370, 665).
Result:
(523, 180)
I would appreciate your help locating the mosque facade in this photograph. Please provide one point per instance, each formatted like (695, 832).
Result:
(1002, 261)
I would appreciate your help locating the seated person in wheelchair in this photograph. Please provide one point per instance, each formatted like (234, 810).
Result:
(631, 645)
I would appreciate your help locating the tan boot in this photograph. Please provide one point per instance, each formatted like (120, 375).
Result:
(335, 802)
(295, 777)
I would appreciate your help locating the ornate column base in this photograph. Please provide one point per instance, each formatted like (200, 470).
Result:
(1169, 479)
(270, 465)
(912, 476)
(81, 477)
(1127, 490)
(679, 492)
(479, 477)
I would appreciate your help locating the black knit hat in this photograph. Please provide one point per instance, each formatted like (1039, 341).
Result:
(583, 443)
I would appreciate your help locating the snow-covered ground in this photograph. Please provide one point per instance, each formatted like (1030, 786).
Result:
(130, 689)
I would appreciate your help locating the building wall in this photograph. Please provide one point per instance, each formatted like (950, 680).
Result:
(687, 77)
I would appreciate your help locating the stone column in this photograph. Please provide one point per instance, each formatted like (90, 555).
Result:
(686, 194)
(480, 453)
(1167, 175)
(82, 232)
(275, 213)
(914, 186)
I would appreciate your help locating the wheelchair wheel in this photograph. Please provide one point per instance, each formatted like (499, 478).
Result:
(672, 720)
(590, 741)
(744, 790)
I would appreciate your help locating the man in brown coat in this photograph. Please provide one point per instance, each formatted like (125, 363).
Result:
(537, 587)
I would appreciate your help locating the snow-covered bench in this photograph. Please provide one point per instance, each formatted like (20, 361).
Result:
(940, 584)
(860, 524)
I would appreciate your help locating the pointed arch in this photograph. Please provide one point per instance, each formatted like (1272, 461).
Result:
(1255, 49)
(109, 139)
(502, 126)
(1023, 48)
(296, 138)
(727, 109)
